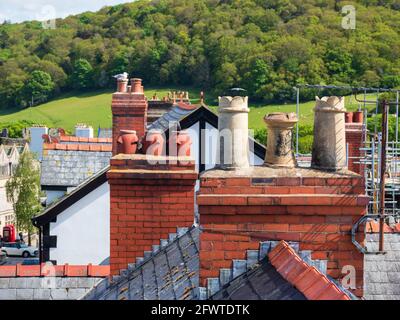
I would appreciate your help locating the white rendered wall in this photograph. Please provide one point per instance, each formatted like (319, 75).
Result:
(84, 132)
(36, 143)
(83, 230)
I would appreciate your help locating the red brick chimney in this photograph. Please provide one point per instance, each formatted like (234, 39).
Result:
(354, 140)
(148, 202)
(315, 208)
(240, 208)
(129, 110)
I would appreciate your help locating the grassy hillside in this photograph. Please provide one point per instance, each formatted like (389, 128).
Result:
(94, 108)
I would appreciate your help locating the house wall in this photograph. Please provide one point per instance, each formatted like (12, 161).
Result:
(6, 209)
(36, 143)
(83, 230)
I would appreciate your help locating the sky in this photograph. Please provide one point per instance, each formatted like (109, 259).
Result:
(22, 10)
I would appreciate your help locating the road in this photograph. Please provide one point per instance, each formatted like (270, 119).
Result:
(12, 261)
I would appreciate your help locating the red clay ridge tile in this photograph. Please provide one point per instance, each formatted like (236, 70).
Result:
(373, 227)
(58, 271)
(78, 147)
(308, 280)
(85, 140)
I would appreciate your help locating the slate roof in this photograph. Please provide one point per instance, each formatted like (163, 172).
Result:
(382, 271)
(261, 283)
(170, 274)
(156, 109)
(173, 116)
(70, 168)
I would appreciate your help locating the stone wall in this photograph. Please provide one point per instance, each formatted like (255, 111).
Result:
(36, 288)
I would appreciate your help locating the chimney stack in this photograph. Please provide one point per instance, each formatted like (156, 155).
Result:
(279, 144)
(329, 147)
(233, 129)
(129, 110)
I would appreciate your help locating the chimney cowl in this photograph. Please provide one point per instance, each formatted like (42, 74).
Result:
(330, 104)
(233, 104)
(281, 118)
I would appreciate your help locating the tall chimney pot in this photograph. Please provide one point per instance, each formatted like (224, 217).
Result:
(122, 85)
(136, 84)
(233, 126)
(329, 147)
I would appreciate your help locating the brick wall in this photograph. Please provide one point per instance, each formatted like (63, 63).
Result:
(311, 207)
(129, 112)
(147, 203)
(354, 139)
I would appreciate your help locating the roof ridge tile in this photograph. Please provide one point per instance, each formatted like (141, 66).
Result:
(307, 279)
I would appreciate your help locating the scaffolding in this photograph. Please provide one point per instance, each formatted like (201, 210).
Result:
(384, 191)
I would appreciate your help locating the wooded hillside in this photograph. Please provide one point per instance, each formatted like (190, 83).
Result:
(263, 46)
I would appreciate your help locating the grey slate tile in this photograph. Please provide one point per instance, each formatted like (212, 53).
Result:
(171, 273)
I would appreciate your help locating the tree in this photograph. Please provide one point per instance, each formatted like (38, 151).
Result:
(23, 191)
(38, 87)
(82, 75)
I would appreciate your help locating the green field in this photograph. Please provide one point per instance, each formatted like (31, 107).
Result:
(94, 109)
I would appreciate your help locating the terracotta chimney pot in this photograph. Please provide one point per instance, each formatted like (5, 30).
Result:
(127, 142)
(122, 85)
(348, 117)
(154, 142)
(136, 84)
(358, 117)
(180, 143)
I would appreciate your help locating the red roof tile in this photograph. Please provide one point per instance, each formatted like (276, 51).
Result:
(84, 140)
(309, 280)
(78, 147)
(59, 271)
(373, 227)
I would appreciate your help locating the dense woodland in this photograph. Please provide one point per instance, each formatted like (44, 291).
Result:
(263, 46)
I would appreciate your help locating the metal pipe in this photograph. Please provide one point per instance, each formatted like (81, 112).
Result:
(397, 116)
(40, 249)
(298, 117)
(345, 87)
(383, 177)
